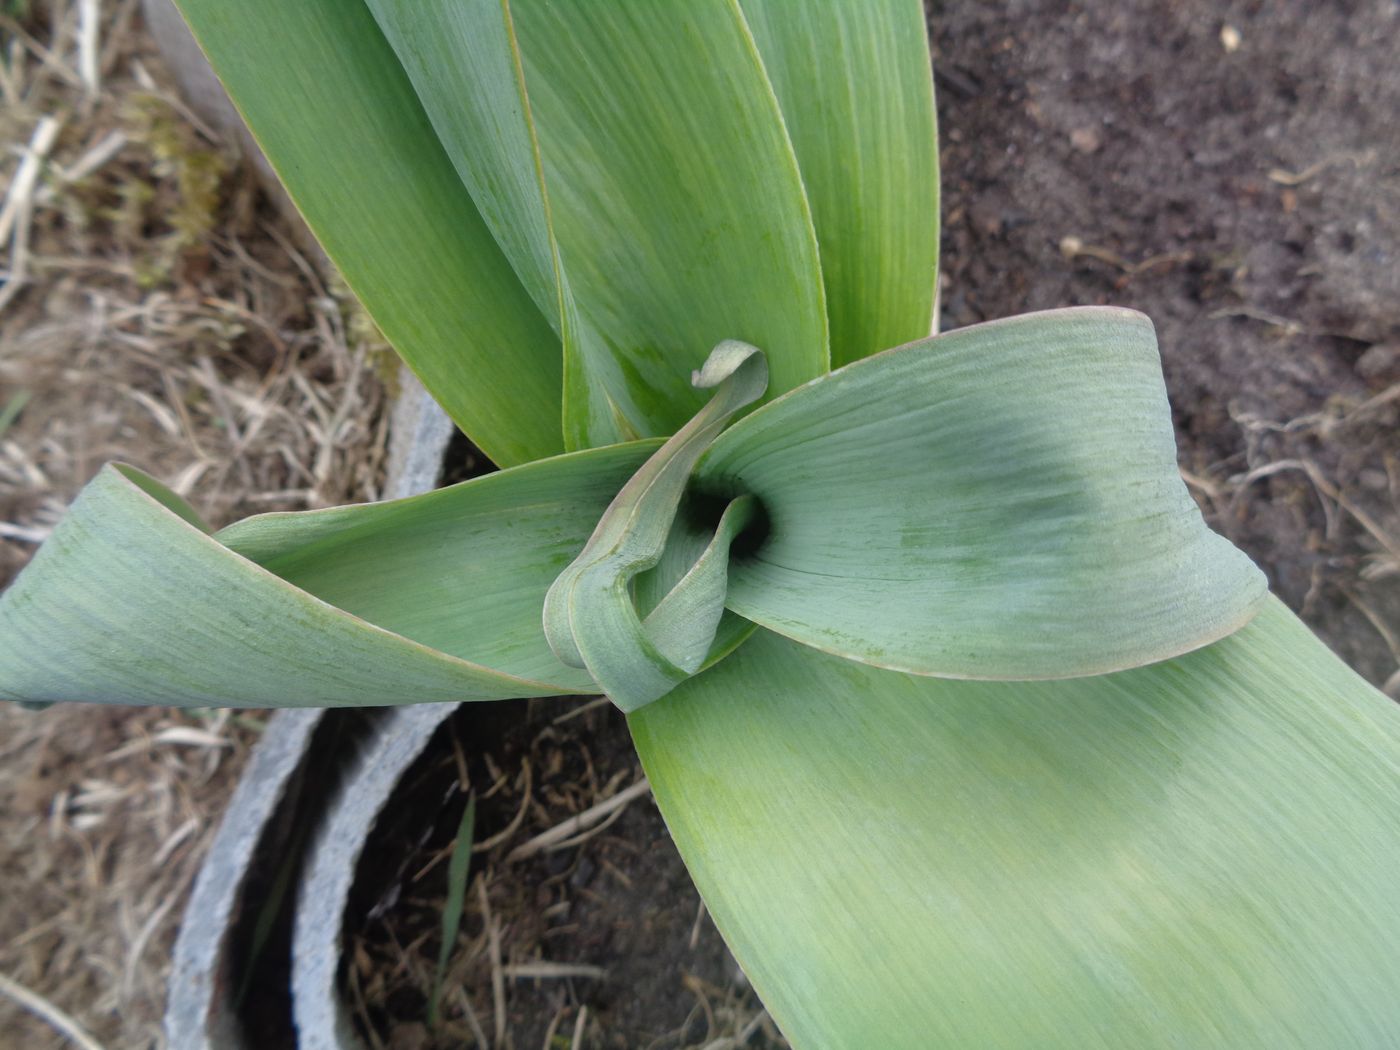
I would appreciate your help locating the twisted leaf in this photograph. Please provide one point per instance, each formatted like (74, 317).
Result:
(431, 598)
(589, 615)
(1001, 501)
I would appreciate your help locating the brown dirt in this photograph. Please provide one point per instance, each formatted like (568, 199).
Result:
(1244, 196)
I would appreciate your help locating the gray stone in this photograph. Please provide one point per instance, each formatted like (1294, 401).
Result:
(322, 1018)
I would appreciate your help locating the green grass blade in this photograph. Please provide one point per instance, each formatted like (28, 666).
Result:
(1001, 501)
(432, 598)
(1201, 853)
(13, 407)
(853, 80)
(458, 869)
(676, 201)
(338, 118)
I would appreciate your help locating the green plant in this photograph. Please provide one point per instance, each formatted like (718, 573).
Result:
(969, 730)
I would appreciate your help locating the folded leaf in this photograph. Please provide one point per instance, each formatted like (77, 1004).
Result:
(431, 598)
(590, 616)
(997, 502)
(336, 115)
(1201, 853)
(853, 80)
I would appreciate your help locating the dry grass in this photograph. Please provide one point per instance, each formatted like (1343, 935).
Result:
(154, 309)
(1322, 492)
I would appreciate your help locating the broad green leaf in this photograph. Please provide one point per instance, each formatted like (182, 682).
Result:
(590, 616)
(997, 502)
(853, 80)
(465, 67)
(463, 569)
(676, 203)
(1201, 853)
(464, 61)
(431, 598)
(336, 115)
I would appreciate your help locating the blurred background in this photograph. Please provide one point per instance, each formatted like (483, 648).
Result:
(1232, 169)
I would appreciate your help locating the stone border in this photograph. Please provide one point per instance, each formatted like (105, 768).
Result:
(322, 1018)
(199, 1007)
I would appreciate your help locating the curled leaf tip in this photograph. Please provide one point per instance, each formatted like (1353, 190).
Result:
(725, 360)
(590, 614)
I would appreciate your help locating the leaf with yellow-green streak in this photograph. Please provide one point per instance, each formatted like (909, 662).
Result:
(336, 115)
(1201, 853)
(853, 80)
(676, 202)
(856, 97)
(462, 59)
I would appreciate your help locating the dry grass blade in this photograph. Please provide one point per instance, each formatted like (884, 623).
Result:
(498, 980)
(37, 1004)
(18, 213)
(589, 818)
(553, 971)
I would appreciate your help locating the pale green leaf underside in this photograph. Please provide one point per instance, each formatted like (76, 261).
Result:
(431, 598)
(1201, 853)
(852, 78)
(336, 115)
(676, 203)
(997, 502)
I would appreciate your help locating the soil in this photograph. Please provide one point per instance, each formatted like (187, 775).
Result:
(155, 308)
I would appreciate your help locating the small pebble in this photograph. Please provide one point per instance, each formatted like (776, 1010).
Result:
(1373, 479)
(1380, 363)
(1230, 39)
(1085, 140)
